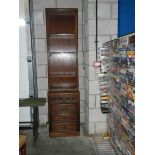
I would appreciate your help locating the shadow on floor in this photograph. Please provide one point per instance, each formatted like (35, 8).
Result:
(46, 145)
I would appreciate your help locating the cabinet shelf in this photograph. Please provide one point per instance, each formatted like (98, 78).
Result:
(63, 74)
(62, 35)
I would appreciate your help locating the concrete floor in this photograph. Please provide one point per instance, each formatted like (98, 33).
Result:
(46, 145)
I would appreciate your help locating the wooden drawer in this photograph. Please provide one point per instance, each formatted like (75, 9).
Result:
(65, 117)
(63, 98)
(64, 113)
(61, 108)
(64, 127)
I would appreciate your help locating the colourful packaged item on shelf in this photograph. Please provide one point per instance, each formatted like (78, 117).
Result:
(123, 92)
(114, 69)
(131, 54)
(115, 59)
(123, 86)
(103, 101)
(131, 69)
(122, 53)
(131, 107)
(101, 75)
(122, 49)
(104, 72)
(105, 53)
(123, 61)
(104, 94)
(105, 67)
(131, 78)
(131, 92)
(123, 42)
(132, 42)
(131, 103)
(105, 98)
(104, 89)
(130, 62)
(123, 101)
(124, 75)
(104, 107)
(104, 58)
(97, 64)
(103, 79)
(123, 78)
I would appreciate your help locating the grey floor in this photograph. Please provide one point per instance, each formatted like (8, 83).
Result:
(81, 145)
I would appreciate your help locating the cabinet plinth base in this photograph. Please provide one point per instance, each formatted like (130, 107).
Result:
(63, 134)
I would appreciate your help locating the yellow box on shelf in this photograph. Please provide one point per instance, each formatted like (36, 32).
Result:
(106, 135)
(105, 97)
(131, 54)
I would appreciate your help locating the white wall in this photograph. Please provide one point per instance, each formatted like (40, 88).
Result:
(23, 66)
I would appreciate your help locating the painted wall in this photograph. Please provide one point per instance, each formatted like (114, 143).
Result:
(126, 17)
(96, 122)
(23, 66)
(24, 48)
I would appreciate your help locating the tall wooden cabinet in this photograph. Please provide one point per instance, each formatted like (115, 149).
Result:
(63, 94)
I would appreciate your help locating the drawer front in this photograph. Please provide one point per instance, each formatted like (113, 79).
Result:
(61, 108)
(63, 112)
(64, 127)
(63, 99)
(66, 117)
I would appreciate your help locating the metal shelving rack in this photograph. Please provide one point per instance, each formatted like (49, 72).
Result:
(118, 81)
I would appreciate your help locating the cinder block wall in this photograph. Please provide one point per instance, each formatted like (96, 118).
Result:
(96, 122)
(41, 50)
